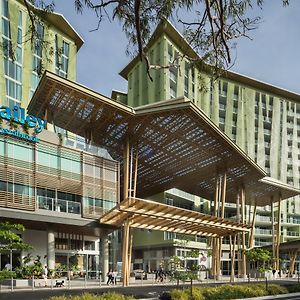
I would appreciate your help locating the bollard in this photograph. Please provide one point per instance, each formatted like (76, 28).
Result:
(32, 281)
(51, 282)
(12, 283)
(69, 280)
(266, 284)
(85, 281)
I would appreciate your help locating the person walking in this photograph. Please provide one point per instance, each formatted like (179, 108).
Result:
(114, 277)
(45, 275)
(110, 277)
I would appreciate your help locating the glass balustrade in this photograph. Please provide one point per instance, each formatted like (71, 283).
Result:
(59, 205)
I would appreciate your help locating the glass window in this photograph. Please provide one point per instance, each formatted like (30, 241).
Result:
(2, 145)
(88, 170)
(5, 8)
(19, 151)
(3, 186)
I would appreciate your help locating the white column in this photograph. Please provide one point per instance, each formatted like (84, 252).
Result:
(50, 249)
(105, 256)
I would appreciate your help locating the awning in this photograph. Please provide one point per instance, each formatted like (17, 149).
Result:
(146, 214)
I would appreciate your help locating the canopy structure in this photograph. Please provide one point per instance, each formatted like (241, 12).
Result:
(177, 144)
(152, 215)
(160, 146)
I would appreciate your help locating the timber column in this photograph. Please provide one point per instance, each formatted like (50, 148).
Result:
(130, 165)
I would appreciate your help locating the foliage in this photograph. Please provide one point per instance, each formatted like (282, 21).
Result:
(4, 274)
(29, 267)
(9, 239)
(13, 124)
(25, 127)
(293, 288)
(210, 26)
(261, 257)
(88, 296)
(224, 292)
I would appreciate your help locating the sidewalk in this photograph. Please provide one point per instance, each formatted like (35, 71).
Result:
(92, 284)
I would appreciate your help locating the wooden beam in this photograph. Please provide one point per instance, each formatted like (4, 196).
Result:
(232, 257)
(251, 238)
(278, 233)
(243, 254)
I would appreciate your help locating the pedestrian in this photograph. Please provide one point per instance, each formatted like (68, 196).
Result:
(109, 277)
(279, 273)
(274, 272)
(45, 275)
(114, 277)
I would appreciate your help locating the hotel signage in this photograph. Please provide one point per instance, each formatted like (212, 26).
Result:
(17, 116)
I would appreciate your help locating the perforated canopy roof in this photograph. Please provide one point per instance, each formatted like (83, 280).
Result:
(178, 144)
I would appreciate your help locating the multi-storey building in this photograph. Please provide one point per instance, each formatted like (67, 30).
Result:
(264, 120)
(57, 187)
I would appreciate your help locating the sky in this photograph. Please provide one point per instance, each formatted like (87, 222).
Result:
(272, 56)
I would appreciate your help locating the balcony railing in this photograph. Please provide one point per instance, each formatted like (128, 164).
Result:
(292, 233)
(294, 221)
(58, 205)
(263, 231)
(263, 219)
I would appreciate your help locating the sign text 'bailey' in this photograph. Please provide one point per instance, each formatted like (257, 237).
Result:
(17, 114)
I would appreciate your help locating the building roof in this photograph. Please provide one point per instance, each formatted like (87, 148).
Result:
(59, 21)
(146, 214)
(165, 27)
(178, 145)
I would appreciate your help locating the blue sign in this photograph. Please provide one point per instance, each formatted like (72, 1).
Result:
(18, 134)
(17, 115)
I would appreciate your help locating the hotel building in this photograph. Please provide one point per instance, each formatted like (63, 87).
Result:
(60, 186)
(262, 119)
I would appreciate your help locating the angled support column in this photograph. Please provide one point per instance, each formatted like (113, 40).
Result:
(129, 190)
(243, 220)
(222, 211)
(232, 240)
(293, 257)
(278, 233)
(251, 238)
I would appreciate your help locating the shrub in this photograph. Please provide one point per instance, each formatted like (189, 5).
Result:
(227, 292)
(88, 296)
(275, 289)
(293, 288)
(179, 295)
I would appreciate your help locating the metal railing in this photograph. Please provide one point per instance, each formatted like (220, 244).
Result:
(263, 231)
(292, 233)
(58, 205)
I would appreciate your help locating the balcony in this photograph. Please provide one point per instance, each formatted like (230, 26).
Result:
(58, 205)
(263, 219)
(293, 221)
(292, 233)
(263, 231)
(262, 243)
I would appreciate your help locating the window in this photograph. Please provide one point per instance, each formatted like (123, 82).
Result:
(62, 58)
(12, 59)
(47, 159)
(37, 57)
(19, 151)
